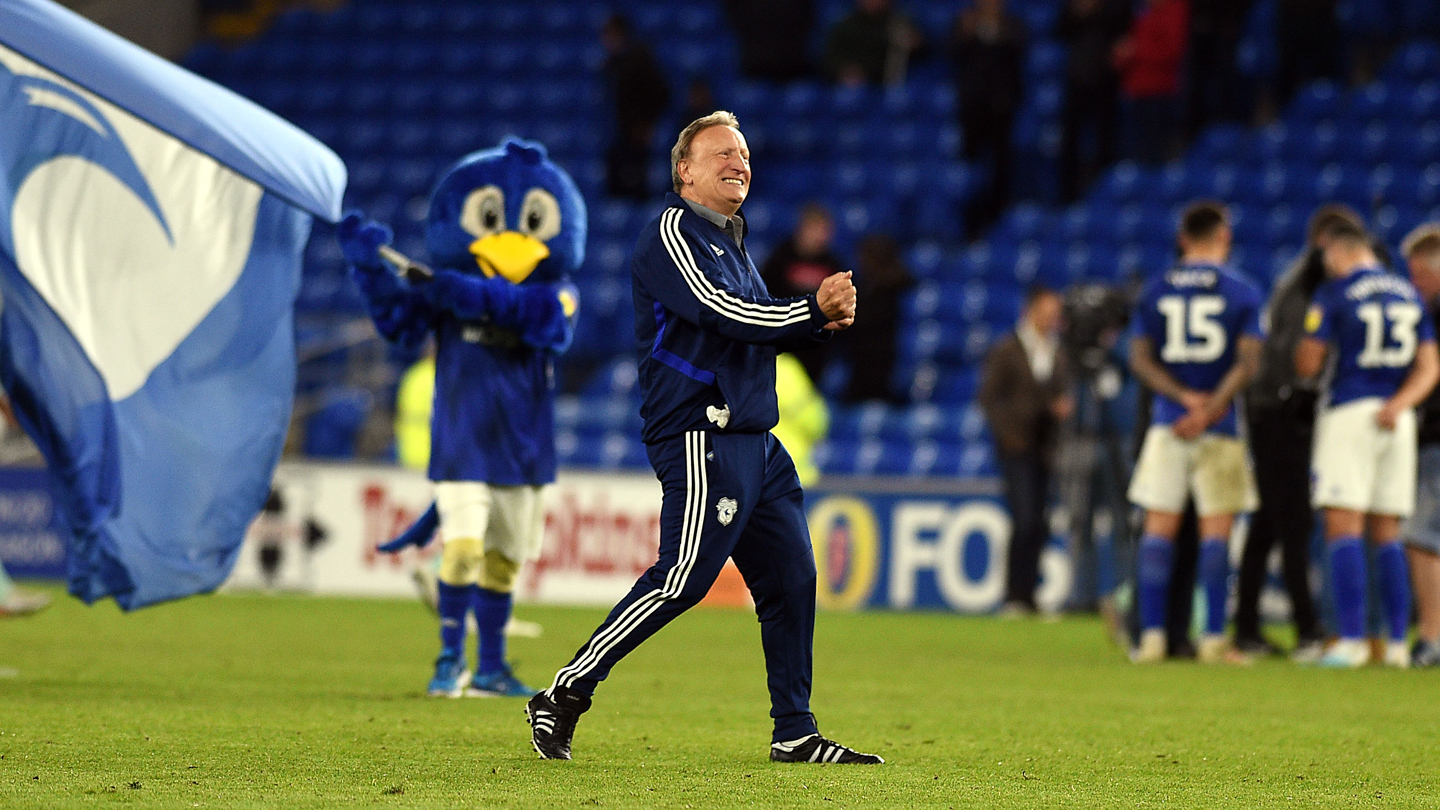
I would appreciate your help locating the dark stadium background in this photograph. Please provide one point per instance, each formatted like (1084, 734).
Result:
(400, 89)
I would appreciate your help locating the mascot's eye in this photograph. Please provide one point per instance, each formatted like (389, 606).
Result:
(540, 215)
(483, 212)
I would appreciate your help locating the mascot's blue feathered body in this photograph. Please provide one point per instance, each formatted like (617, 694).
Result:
(506, 229)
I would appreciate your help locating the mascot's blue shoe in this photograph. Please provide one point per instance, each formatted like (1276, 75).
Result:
(451, 676)
(499, 684)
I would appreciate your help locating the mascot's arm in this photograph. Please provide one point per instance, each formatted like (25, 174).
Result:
(543, 315)
(401, 313)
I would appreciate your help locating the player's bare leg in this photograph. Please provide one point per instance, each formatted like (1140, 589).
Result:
(1425, 580)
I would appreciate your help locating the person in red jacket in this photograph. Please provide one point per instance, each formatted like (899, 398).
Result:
(1150, 60)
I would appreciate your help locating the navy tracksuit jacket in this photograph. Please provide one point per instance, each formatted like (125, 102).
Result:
(708, 332)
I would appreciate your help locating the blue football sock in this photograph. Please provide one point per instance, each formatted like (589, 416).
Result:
(492, 611)
(1394, 576)
(454, 603)
(1156, 556)
(1347, 584)
(1215, 578)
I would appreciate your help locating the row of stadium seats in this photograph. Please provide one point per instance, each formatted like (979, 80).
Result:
(873, 155)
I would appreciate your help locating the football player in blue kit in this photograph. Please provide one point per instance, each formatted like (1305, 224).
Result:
(1363, 466)
(1197, 344)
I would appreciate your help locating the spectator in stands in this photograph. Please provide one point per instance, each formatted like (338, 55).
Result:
(641, 96)
(1215, 88)
(988, 51)
(1422, 531)
(871, 45)
(1280, 417)
(804, 417)
(883, 279)
(1150, 60)
(772, 36)
(798, 266)
(1024, 392)
(1308, 44)
(1090, 29)
(699, 100)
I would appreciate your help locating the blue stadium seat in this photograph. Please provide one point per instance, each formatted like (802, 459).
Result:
(1227, 143)
(1373, 101)
(1125, 182)
(1024, 221)
(1415, 62)
(1419, 103)
(1319, 101)
(1045, 60)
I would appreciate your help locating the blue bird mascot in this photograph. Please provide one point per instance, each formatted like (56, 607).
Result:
(506, 229)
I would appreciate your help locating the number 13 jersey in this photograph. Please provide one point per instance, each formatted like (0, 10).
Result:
(1194, 315)
(1374, 321)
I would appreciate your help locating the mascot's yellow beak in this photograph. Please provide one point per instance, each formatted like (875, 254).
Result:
(508, 254)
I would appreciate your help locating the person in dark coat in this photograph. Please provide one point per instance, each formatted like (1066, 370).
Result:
(1024, 392)
(641, 96)
(1280, 421)
(1090, 29)
(769, 31)
(989, 62)
(797, 267)
(883, 279)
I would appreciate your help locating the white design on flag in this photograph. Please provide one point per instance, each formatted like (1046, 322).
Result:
(728, 305)
(725, 510)
(691, 523)
(123, 271)
(40, 97)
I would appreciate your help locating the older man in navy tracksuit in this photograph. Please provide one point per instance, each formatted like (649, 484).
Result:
(708, 332)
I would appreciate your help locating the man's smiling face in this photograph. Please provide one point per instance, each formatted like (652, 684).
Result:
(716, 172)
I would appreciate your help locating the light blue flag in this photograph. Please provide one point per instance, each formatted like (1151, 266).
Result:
(151, 230)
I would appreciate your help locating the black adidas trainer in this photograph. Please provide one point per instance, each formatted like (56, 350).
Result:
(818, 749)
(552, 716)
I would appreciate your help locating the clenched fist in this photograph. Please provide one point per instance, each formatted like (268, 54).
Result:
(836, 298)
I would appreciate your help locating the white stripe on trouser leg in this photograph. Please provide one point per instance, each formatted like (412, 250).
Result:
(691, 524)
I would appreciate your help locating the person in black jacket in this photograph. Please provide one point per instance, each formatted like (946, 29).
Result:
(1421, 250)
(1280, 417)
(1092, 89)
(882, 279)
(798, 266)
(989, 62)
(641, 96)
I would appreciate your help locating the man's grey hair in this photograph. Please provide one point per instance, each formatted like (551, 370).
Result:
(681, 149)
(1423, 244)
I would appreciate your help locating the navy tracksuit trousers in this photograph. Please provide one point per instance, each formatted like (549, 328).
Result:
(726, 496)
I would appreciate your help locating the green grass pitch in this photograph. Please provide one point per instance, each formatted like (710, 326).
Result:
(292, 702)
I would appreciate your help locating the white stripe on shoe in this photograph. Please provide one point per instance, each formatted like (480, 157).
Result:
(691, 525)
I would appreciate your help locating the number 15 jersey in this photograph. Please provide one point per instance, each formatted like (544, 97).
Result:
(1194, 315)
(1374, 321)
